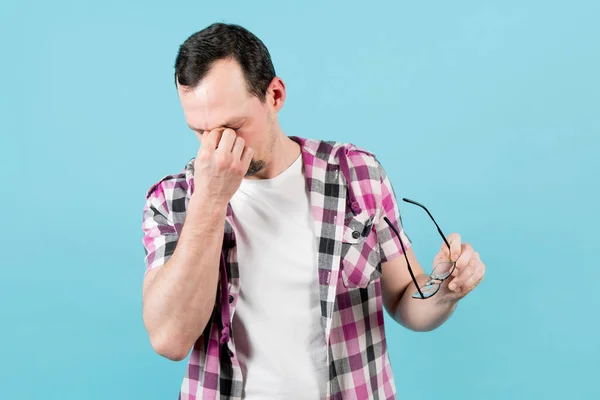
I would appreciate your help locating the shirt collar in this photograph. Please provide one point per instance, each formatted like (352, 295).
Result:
(329, 152)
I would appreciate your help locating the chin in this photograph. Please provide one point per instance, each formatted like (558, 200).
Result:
(255, 167)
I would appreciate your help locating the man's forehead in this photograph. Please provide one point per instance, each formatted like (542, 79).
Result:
(208, 106)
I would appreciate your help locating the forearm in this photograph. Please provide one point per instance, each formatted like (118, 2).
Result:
(180, 299)
(422, 314)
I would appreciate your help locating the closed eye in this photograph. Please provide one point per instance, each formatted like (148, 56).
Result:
(201, 132)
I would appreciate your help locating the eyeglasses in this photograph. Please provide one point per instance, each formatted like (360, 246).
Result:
(440, 273)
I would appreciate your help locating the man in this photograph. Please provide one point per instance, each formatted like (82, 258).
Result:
(271, 257)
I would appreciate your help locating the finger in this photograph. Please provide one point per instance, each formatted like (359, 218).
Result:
(247, 157)
(453, 285)
(470, 283)
(480, 272)
(475, 259)
(227, 139)
(211, 139)
(238, 148)
(454, 241)
(459, 281)
(466, 255)
(440, 258)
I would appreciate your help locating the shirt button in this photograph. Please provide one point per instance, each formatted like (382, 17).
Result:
(356, 234)
(230, 299)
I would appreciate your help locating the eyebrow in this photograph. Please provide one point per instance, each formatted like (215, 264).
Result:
(231, 122)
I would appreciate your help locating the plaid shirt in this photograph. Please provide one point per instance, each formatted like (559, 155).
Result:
(353, 241)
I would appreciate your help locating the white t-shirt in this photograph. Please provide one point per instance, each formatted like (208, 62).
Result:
(277, 328)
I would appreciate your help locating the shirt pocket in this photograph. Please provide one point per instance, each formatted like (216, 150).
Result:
(361, 261)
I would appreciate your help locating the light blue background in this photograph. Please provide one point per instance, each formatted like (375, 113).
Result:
(487, 113)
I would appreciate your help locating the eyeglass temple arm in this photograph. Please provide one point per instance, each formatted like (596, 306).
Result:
(430, 216)
(412, 275)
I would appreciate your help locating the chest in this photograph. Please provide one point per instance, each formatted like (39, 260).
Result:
(338, 244)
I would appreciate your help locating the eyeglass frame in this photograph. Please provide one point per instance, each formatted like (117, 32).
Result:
(412, 275)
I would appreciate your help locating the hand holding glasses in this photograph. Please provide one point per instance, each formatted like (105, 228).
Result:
(441, 271)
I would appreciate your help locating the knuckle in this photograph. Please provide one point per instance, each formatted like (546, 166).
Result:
(222, 162)
(237, 167)
(243, 167)
(203, 155)
(234, 165)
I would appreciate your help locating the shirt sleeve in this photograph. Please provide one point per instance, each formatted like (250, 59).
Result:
(389, 243)
(159, 234)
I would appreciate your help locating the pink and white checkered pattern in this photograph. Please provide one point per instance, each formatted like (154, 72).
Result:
(349, 194)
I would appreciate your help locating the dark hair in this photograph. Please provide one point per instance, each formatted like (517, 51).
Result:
(222, 41)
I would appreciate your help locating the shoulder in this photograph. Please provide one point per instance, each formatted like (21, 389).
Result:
(170, 188)
(360, 156)
(331, 151)
(361, 161)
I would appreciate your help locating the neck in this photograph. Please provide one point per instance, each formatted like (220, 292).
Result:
(285, 151)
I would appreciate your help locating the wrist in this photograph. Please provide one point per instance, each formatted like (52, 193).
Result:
(204, 206)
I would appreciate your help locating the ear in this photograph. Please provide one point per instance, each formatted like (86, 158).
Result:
(276, 94)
